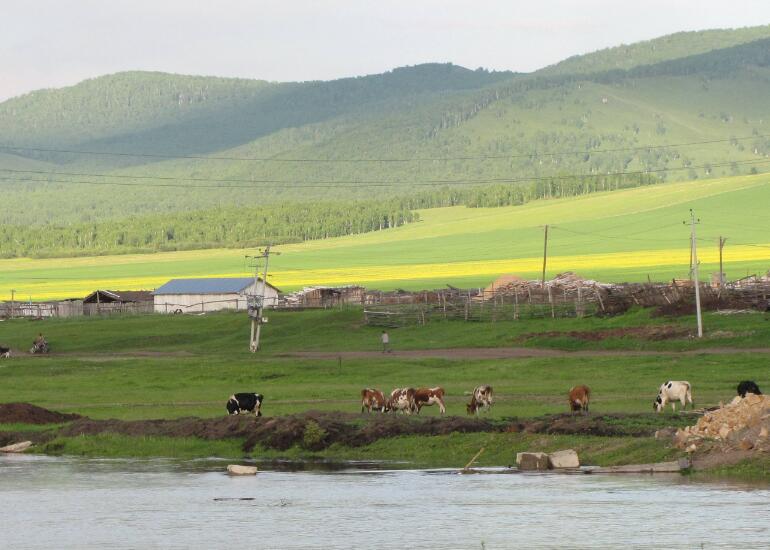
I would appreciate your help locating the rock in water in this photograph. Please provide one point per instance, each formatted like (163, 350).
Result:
(564, 459)
(532, 461)
(238, 470)
(16, 447)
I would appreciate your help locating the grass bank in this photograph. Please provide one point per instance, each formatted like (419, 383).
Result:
(170, 367)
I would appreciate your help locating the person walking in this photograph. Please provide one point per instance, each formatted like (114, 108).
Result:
(386, 342)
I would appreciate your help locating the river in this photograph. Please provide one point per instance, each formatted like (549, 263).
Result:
(50, 502)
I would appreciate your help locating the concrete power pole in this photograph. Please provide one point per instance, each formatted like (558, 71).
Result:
(13, 301)
(257, 305)
(545, 252)
(694, 248)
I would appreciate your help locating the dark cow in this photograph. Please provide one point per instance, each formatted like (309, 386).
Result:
(748, 386)
(372, 399)
(579, 398)
(429, 396)
(241, 403)
(481, 399)
(5, 352)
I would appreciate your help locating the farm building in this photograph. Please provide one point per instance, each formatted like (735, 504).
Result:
(214, 294)
(101, 302)
(324, 296)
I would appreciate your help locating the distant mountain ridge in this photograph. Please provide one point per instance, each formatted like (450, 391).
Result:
(439, 133)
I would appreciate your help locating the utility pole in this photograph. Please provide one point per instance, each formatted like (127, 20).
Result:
(257, 302)
(545, 252)
(721, 272)
(13, 301)
(694, 249)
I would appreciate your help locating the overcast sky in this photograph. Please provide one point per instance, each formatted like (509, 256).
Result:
(50, 43)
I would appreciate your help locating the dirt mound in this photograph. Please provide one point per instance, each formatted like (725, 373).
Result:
(743, 424)
(653, 333)
(25, 413)
(312, 430)
(608, 425)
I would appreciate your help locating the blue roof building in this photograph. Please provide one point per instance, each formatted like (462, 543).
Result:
(210, 294)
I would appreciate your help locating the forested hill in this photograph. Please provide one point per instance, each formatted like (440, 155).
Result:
(83, 158)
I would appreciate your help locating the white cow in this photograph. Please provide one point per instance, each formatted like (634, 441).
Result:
(671, 392)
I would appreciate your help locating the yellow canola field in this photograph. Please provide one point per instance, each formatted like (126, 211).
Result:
(521, 266)
(371, 275)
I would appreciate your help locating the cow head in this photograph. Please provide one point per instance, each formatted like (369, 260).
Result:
(658, 404)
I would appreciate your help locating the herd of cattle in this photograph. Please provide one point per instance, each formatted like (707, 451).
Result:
(411, 400)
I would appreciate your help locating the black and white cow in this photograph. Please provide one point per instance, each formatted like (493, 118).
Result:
(241, 403)
(5, 352)
(744, 387)
(671, 392)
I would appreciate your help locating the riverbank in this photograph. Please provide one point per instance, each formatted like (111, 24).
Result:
(400, 441)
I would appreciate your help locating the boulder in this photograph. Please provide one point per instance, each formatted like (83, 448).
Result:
(16, 447)
(564, 459)
(532, 461)
(238, 470)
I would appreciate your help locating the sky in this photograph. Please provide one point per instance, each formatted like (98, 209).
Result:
(53, 43)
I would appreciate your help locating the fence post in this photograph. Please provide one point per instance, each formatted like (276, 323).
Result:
(550, 301)
(515, 303)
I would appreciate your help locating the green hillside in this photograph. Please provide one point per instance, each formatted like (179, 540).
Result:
(665, 48)
(624, 235)
(413, 138)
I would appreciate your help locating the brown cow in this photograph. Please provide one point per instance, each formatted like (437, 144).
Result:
(579, 397)
(372, 399)
(429, 396)
(401, 399)
(481, 399)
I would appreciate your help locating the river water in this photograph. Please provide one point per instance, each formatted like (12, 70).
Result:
(48, 502)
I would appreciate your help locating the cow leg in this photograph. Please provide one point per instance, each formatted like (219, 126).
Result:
(673, 406)
(441, 407)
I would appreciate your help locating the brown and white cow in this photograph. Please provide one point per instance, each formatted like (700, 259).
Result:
(481, 399)
(579, 398)
(372, 399)
(429, 396)
(401, 399)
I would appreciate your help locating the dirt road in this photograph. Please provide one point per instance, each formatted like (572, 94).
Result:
(510, 353)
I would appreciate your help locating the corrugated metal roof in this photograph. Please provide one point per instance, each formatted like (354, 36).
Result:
(217, 285)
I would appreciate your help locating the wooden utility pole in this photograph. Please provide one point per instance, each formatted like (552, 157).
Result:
(694, 248)
(545, 252)
(721, 271)
(13, 301)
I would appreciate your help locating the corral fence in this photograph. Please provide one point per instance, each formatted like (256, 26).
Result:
(490, 305)
(578, 299)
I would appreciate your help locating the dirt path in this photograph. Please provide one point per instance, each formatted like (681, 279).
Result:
(510, 353)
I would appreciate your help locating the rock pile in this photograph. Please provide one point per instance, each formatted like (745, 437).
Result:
(742, 424)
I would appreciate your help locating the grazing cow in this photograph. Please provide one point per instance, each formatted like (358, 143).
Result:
(671, 392)
(401, 399)
(579, 398)
(481, 399)
(5, 352)
(748, 386)
(241, 403)
(429, 396)
(372, 399)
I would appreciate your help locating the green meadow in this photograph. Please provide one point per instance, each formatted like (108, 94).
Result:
(626, 235)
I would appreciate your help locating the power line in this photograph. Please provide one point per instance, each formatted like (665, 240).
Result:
(356, 160)
(324, 184)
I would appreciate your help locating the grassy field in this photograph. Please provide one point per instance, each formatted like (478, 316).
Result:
(623, 235)
(136, 368)
(155, 367)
